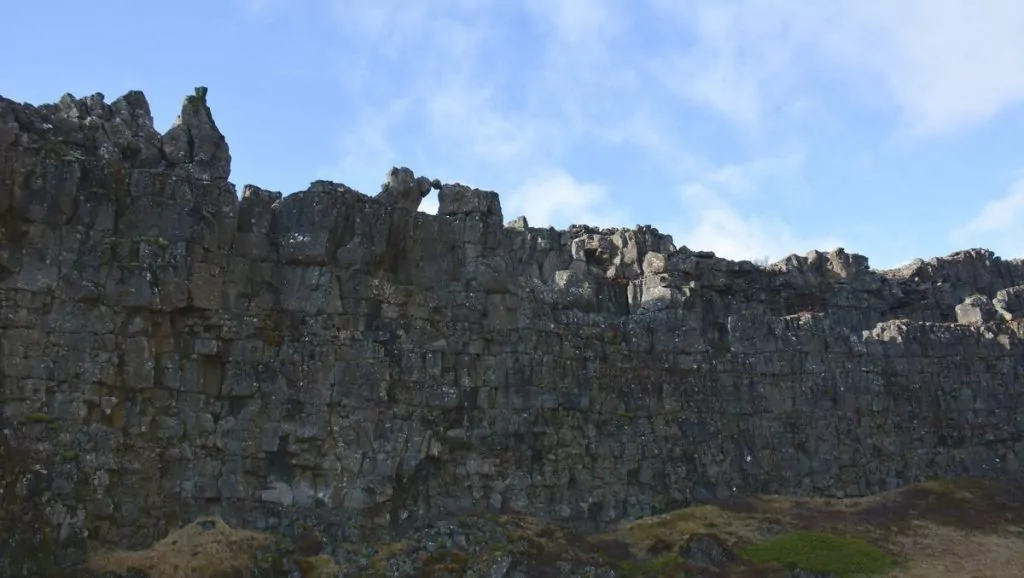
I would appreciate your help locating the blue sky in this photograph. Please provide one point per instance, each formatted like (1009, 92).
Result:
(748, 127)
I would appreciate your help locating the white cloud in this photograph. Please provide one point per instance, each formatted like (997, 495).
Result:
(468, 115)
(455, 101)
(582, 86)
(746, 179)
(555, 198)
(945, 64)
(738, 52)
(460, 101)
(997, 226)
(715, 224)
(719, 227)
(586, 81)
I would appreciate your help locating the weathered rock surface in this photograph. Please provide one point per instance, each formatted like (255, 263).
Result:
(168, 350)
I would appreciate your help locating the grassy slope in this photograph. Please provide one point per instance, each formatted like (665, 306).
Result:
(964, 528)
(960, 528)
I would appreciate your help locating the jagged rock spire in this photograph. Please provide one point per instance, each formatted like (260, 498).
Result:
(194, 141)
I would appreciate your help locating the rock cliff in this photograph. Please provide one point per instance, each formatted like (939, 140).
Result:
(171, 349)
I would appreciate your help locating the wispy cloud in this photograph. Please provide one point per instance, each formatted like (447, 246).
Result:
(733, 235)
(509, 95)
(997, 225)
(736, 58)
(944, 64)
(484, 126)
(713, 220)
(554, 197)
(948, 64)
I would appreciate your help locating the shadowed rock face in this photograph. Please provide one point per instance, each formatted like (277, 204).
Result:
(169, 350)
(404, 189)
(195, 142)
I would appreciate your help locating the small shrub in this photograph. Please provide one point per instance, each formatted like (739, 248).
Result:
(815, 552)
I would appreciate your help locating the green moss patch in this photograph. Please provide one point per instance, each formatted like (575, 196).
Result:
(664, 565)
(40, 418)
(815, 552)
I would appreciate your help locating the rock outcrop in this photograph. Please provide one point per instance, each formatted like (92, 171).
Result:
(169, 350)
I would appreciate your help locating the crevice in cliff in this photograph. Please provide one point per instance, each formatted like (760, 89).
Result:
(278, 462)
(408, 498)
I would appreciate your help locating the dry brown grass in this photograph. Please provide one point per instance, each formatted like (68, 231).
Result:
(322, 566)
(741, 527)
(964, 528)
(208, 548)
(935, 551)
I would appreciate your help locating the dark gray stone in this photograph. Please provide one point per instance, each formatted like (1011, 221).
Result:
(404, 189)
(195, 144)
(341, 361)
(975, 310)
(707, 550)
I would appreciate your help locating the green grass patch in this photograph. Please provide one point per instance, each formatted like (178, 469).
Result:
(815, 552)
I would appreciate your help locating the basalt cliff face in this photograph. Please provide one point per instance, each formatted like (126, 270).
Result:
(170, 350)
